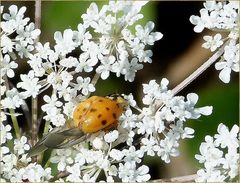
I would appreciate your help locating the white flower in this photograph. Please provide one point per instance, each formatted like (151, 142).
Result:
(148, 146)
(85, 64)
(30, 84)
(35, 173)
(144, 33)
(146, 126)
(128, 119)
(13, 99)
(63, 158)
(20, 146)
(5, 133)
(84, 85)
(210, 155)
(129, 173)
(97, 143)
(8, 162)
(7, 44)
(219, 164)
(7, 66)
(92, 15)
(28, 33)
(68, 108)
(227, 138)
(132, 155)
(231, 163)
(81, 34)
(43, 50)
(212, 42)
(15, 18)
(74, 173)
(24, 49)
(111, 136)
(56, 119)
(116, 154)
(202, 21)
(229, 62)
(69, 62)
(64, 43)
(167, 149)
(106, 66)
(36, 64)
(132, 69)
(209, 175)
(25, 159)
(52, 103)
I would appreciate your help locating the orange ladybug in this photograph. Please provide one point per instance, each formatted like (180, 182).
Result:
(97, 113)
(92, 115)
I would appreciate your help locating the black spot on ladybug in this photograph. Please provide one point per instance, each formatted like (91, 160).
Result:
(93, 110)
(114, 115)
(104, 122)
(100, 100)
(107, 108)
(99, 116)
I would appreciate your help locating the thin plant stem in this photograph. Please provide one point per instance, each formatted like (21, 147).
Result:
(15, 123)
(46, 127)
(35, 100)
(38, 14)
(199, 71)
(186, 178)
(95, 79)
(12, 113)
(34, 120)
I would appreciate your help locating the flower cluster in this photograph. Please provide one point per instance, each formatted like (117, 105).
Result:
(220, 156)
(18, 37)
(15, 165)
(155, 131)
(106, 45)
(221, 16)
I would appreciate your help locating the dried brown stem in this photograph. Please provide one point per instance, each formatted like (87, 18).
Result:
(34, 100)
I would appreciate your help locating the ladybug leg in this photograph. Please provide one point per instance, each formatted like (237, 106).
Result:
(111, 127)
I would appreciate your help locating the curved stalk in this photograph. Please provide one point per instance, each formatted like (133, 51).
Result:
(200, 70)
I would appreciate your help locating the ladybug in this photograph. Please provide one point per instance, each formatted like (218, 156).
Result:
(97, 113)
(92, 115)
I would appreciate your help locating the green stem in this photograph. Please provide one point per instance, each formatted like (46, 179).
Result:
(34, 121)
(46, 127)
(15, 123)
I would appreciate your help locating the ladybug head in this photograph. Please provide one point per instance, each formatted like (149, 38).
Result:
(119, 98)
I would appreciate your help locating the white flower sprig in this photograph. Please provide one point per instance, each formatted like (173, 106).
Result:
(107, 46)
(157, 129)
(218, 17)
(220, 156)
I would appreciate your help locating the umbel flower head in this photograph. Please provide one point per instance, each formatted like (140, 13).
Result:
(220, 155)
(221, 16)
